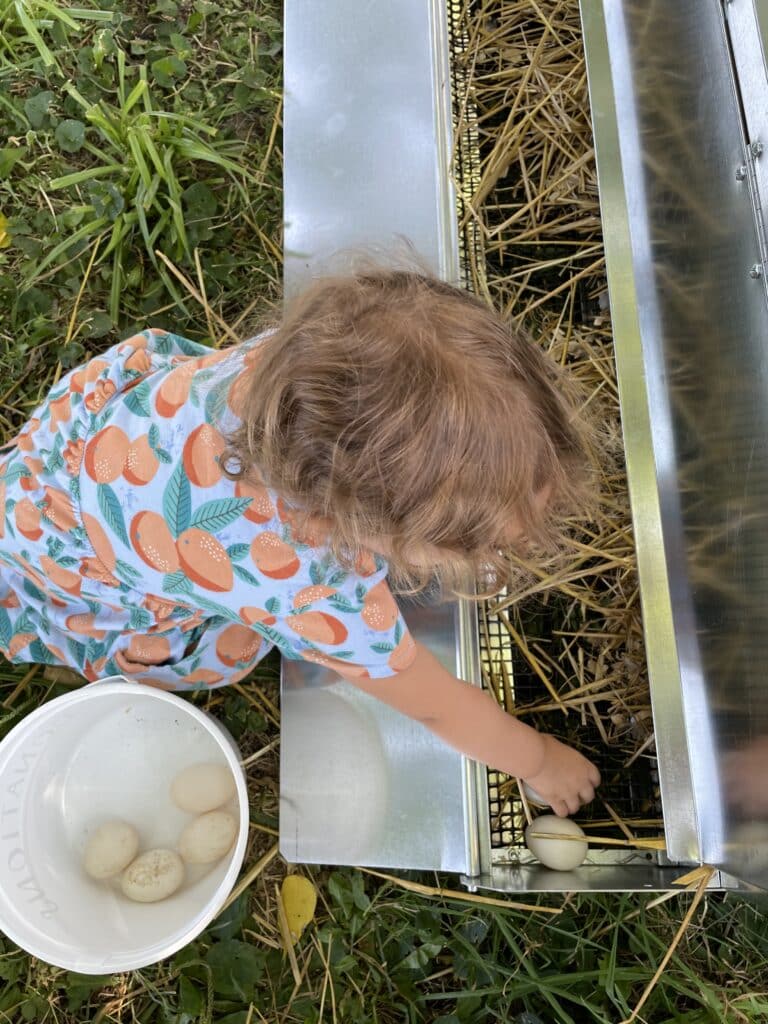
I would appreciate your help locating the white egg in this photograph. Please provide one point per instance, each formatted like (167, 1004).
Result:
(153, 876)
(111, 848)
(533, 797)
(203, 787)
(555, 853)
(208, 838)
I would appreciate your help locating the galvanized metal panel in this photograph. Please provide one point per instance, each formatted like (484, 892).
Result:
(608, 877)
(683, 230)
(361, 783)
(367, 152)
(367, 132)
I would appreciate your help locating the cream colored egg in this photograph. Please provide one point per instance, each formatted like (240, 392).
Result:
(556, 853)
(111, 848)
(153, 876)
(208, 838)
(203, 787)
(533, 797)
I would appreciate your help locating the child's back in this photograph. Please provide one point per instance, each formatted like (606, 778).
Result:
(128, 550)
(172, 512)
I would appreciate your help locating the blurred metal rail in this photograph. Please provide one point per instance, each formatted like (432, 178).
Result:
(679, 100)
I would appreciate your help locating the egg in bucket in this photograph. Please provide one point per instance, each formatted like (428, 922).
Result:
(110, 750)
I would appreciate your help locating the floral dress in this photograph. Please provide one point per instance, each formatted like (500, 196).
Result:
(124, 549)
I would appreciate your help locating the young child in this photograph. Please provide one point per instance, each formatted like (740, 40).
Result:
(171, 512)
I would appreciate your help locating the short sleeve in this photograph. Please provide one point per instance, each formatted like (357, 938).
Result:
(351, 624)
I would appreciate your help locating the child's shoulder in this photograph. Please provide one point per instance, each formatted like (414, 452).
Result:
(177, 381)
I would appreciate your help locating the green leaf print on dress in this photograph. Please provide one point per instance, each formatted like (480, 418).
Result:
(112, 512)
(177, 501)
(215, 515)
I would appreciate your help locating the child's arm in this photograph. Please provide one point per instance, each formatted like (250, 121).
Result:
(471, 721)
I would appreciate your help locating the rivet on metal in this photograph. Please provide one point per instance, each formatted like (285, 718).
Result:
(757, 270)
(741, 172)
(757, 149)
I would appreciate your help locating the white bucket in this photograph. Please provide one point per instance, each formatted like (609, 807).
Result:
(108, 750)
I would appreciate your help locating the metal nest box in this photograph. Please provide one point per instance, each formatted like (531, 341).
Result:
(679, 97)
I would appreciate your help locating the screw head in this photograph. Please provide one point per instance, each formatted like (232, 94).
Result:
(757, 270)
(741, 172)
(757, 149)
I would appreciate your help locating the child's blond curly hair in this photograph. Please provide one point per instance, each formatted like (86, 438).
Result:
(398, 407)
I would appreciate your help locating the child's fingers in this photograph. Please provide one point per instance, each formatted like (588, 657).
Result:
(560, 807)
(586, 794)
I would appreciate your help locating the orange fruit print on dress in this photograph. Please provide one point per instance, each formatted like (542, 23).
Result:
(25, 441)
(153, 541)
(261, 509)
(141, 463)
(58, 509)
(84, 623)
(204, 559)
(273, 557)
(319, 627)
(105, 455)
(403, 655)
(145, 650)
(314, 592)
(61, 411)
(237, 643)
(61, 577)
(100, 542)
(251, 614)
(201, 456)
(27, 517)
(174, 391)
(96, 399)
(379, 608)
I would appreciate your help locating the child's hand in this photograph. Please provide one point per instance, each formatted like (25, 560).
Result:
(567, 779)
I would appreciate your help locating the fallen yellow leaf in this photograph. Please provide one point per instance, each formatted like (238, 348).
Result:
(299, 898)
(5, 235)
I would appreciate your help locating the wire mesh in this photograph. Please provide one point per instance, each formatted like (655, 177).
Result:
(631, 790)
(465, 164)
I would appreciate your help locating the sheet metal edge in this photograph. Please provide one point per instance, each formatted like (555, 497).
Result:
(675, 774)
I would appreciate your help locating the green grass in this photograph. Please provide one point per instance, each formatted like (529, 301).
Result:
(127, 128)
(395, 958)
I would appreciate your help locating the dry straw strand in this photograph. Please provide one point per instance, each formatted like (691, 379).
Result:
(437, 892)
(700, 890)
(252, 874)
(211, 313)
